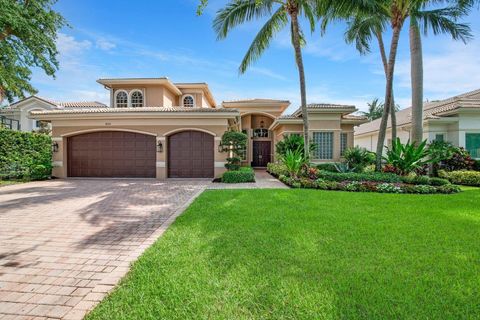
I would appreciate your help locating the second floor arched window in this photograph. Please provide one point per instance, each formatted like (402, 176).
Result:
(188, 101)
(136, 99)
(121, 99)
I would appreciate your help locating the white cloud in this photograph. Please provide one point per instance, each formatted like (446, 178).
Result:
(68, 45)
(266, 72)
(104, 44)
(452, 69)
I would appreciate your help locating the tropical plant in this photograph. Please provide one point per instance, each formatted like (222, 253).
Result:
(294, 161)
(460, 160)
(343, 167)
(358, 158)
(292, 142)
(375, 109)
(408, 157)
(28, 34)
(279, 14)
(235, 143)
(440, 151)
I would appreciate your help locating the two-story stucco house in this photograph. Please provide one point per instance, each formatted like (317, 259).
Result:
(160, 129)
(456, 119)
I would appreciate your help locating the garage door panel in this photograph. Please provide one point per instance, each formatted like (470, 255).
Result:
(111, 154)
(191, 155)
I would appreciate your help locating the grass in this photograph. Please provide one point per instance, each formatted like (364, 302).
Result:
(309, 254)
(9, 182)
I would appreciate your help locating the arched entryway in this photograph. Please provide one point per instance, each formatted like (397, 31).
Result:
(260, 141)
(118, 154)
(191, 155)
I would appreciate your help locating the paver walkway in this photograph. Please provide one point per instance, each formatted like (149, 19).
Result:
(65, 243)
(263, 180)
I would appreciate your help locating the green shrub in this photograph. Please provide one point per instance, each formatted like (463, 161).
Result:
(330, 166)
(423, 189)
(293, 161)
(438, 181)
(448, 189)
(244, 174)
(358, 158)
(408, 157)
(292, 142)
(374, 176)
(25, 155)
(476, 165)
(277, 169)
(467, 178)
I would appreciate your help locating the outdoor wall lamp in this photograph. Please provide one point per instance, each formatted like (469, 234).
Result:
(262, 124)
(55, 146)
(159, 146)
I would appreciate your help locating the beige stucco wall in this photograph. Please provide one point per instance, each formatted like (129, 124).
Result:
(320, 124)
(161, 128)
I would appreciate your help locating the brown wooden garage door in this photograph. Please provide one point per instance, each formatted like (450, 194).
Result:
(112, 154)
(190, 155)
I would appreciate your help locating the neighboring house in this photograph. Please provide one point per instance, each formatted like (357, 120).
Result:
(160, 129)
(16, 115)
(455, 119)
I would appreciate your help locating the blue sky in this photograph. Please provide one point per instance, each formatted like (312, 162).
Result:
(165, 38)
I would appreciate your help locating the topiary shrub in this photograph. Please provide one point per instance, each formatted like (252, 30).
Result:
(234, 142)
(244, 174)
(25, 155)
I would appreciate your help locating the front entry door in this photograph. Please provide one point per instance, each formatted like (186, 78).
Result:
(261, 153)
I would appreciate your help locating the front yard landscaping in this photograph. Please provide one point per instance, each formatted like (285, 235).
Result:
(309, 254)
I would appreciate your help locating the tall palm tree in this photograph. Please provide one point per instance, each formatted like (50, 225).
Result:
(440, 21)
(279, 13)
(361, 29)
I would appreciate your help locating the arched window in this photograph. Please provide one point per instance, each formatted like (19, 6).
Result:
(121, 99)
(136, 99)
(188, 101)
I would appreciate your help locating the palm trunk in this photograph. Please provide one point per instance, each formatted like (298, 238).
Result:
(385, 68)
(301, 74)
(417, 82)
(388, 95)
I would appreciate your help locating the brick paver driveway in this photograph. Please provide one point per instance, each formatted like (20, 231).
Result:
(65, 243)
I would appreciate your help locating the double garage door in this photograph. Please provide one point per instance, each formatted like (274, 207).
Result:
(133, 155)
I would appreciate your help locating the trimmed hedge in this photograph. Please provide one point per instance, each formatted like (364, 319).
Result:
(467, 178)
(351, 176)
(276, 169)
(25, 155)
(368, 186)
(329, 166)
(244, 174)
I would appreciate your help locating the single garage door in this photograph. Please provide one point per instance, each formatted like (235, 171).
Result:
(112, 154)
(190, 155)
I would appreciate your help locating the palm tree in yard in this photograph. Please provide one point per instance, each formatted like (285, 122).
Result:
(375, 109)
(440, 21)
(394, 14)
(361, 29)
(279, 14)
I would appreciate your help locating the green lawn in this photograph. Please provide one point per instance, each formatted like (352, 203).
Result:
(309, 254)
(8, 182)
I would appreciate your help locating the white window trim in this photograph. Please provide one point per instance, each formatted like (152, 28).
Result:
(130, 97)
(116, 94)
(193, 98)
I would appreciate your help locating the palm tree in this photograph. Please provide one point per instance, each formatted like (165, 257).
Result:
(375, 109)
(280, 13)
(361, 29)
(440, 21)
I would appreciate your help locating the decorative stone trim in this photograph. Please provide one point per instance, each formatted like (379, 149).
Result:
(161, 164)
(219, 164)
(58, 139)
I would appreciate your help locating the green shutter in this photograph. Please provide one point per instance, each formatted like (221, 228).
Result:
(473, 144)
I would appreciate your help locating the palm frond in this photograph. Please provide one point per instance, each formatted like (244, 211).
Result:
(262, 41)
(238, 12)
(361, 29)
(444, 21)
